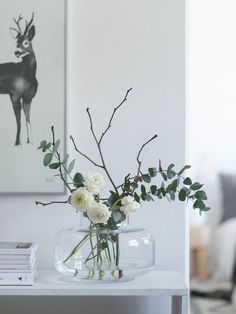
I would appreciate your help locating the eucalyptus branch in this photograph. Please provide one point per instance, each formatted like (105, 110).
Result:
(82, 154)
(113, 114)
(137, 158)
(59, 159)
(100, 151)
(50, 203)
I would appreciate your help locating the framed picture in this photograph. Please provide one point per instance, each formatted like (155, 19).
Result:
(32, 92)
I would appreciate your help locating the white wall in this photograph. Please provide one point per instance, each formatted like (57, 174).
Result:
(211, 107)
(114, 45)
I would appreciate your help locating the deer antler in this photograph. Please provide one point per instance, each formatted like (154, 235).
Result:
(17, 22)
(29, 24)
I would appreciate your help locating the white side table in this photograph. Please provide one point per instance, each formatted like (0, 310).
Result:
(155, 283)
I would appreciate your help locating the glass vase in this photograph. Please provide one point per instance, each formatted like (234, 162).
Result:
(113, 255)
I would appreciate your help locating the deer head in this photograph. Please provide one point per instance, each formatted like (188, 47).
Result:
(23, 38)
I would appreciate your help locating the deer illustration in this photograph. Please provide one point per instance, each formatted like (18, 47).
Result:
(18, 80)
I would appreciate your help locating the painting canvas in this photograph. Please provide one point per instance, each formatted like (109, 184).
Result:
(32, 91)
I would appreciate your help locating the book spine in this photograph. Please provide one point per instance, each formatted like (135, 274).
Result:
(18, 257)
(15, 262)
(16, 279)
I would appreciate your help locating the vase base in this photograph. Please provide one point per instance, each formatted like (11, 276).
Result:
(104, 276)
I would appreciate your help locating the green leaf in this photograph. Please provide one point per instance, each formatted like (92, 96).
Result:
(182, 195)
(153, 189)
(136, 197)
(174, 185)
(170, 173)
(184, 168)
(205, 209)
(65, 159)
(116, 215)
(55, 165)
(199, 204)
(163, 192)
(42, 144)
(164, 176)
(47, 159)
(71, 166)
(152, 172)
(196, 186)
(187, 181)
(78, 180)
(48, 145)
(188, 191)
(159, 193)
(143, 189)
(148, 198)
(143, 197)
(172, 195)
(170, 167)
(146, 178)
(56, 146)
(201, 195)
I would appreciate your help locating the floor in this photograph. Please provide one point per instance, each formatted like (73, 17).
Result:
(209, 306)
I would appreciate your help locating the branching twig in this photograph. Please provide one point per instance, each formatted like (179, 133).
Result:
(100, 151)
(112, 116)
(52, 202)
(82, 154)
(138, 160)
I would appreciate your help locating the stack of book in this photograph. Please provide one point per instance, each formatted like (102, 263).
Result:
(17, 263)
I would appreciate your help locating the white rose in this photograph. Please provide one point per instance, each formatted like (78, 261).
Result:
(94, 182)
(127, 199)
(82, 199)
(129, 205)
(98, 213)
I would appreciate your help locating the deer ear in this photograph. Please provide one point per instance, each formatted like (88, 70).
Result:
(31, 32)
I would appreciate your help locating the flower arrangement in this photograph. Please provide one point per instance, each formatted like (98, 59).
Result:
(107, 213)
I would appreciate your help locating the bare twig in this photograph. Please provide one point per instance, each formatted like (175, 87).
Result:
(138, 160)
(59, 160)
(52, 202)
(100, 151)
(84, 155)
(112, 116)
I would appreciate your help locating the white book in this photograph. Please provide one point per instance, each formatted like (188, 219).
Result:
(16, 256)
(17, 279)
(20, 248)
(18, 266)
(15, 262)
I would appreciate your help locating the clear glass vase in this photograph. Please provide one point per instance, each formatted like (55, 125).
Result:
(120, 254)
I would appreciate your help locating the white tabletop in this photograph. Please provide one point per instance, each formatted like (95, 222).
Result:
(51, 283)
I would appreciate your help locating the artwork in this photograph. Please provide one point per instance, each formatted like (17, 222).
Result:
(32, 91)
(18, 80)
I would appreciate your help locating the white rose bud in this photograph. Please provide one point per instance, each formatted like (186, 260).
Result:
(98, 213)
(82, 199)
(94, 182)
(129, 205)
